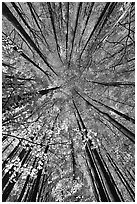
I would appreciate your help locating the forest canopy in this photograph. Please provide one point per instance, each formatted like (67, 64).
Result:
(68, 101)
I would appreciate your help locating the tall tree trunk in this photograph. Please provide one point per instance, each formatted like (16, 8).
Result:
(54, 29)
(79, 126)
(7, 146)
(7, 13)
(92, 176)
(36, 187)
(6, 177)
(95, 27)
(24, 188)
(109, 12)
(34, 14)
(73, 159)
(86, 23)
(106, 187)
(25, 184)
(108, 182)
(115, 111)
(4, 138)
(30, 187)
(112, 180)
(32, 62)
(116, 124)
(115, 83)
(67, 30)
(75, 29)
(80, 118)
(109, 187)
(122, 178)
(11, 155)
(11, 184)
(99, 185)
(18, 78)
(41, 188)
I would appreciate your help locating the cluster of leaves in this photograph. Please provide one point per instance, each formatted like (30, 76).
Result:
(63, 63)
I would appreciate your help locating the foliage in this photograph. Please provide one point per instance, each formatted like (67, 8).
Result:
(67, 78)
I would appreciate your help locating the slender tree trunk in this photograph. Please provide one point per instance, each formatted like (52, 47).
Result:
(117, 112)
(18, 78)
(25, 184)
(113, 194)
(7, 13)
(11, 155)
(23, 190)
(6, 177)
(32, 62)
(81, 121)
(117, 84)
(73, 156)
(17, 100)
(92, 176)
(101, 192)
(110, 10)
(67, 30)
(7, 146)
(11, 184)
(75, 29)
(79, 126)
(34, 14)
(36, 187)
(116, 124)
(86, 23)
(41, 188)
(122, 178)
(30, 187)
(54, 29)
(95, 27)
(112, 180)
(4, 138)
(106, 187)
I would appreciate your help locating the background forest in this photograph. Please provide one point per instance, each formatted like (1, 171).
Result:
(68, 101)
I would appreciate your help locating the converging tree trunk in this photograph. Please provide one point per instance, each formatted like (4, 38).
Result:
(105, 186)
(115, 83)
(7, 13)
(116, 124)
